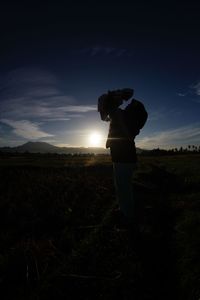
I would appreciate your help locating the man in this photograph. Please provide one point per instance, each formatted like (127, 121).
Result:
(122, 148)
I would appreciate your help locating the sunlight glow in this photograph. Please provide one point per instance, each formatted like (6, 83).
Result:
(95, 139)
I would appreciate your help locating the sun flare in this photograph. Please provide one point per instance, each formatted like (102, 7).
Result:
(95, 139)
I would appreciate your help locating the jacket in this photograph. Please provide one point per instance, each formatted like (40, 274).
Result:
(120, 141)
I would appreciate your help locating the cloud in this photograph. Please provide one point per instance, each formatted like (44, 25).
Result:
(31, 97)
(26, 129)
(106, 50)
(63, 145)
(163, 113)
(43, 92)
(78, 108)
(15, 108)
(155, 115)
(171, 138)
(34, 94)
(56, 119)
(196, 88)
(181, 94)
(121, 52)
(29, 76)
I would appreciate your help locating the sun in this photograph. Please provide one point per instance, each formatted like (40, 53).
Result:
(95, 139)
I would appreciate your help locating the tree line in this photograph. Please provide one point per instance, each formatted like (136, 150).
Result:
(190, 149)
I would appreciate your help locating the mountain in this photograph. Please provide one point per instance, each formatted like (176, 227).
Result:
(43, 147)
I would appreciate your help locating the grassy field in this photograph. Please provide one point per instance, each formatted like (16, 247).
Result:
(61, 238)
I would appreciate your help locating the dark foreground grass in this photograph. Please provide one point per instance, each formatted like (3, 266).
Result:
(60, 238)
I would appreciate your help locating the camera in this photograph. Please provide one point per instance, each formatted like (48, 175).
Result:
(112, 100)
(122, 94)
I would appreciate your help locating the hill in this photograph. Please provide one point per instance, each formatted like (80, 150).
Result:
(43, 147)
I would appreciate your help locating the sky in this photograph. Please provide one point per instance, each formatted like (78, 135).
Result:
(57, 58)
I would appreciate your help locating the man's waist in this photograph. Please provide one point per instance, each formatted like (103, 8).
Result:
(120, 141)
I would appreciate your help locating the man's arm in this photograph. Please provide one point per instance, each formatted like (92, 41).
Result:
(118, 117)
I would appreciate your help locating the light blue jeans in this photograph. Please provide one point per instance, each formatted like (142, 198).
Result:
(123, 175)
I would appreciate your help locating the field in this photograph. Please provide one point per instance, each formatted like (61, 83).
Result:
(61, 237)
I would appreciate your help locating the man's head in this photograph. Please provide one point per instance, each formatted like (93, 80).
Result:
(107, 104)
(112, 100)
(127, 93)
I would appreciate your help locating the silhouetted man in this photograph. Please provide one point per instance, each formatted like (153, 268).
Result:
(122, 148)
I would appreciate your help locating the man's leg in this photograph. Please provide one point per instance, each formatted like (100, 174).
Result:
(123, 173)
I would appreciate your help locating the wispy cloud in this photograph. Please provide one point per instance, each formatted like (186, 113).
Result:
(196, 88)
(171, 138)
(155, 115)
(26, 129)
(33, 94)
(77, 108)
(31, 100)
(182, 94)
(25, 76)
(99, 50)
(42, 111)
(192, 92)
(162, 113)
(63, 145)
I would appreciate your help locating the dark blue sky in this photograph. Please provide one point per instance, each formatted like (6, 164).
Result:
(57, 59)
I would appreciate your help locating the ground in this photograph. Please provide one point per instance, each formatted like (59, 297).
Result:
(62, 236)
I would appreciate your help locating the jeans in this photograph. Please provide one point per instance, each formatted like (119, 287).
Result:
(123, 174)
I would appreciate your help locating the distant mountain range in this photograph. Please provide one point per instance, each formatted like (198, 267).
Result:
(43, 147)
